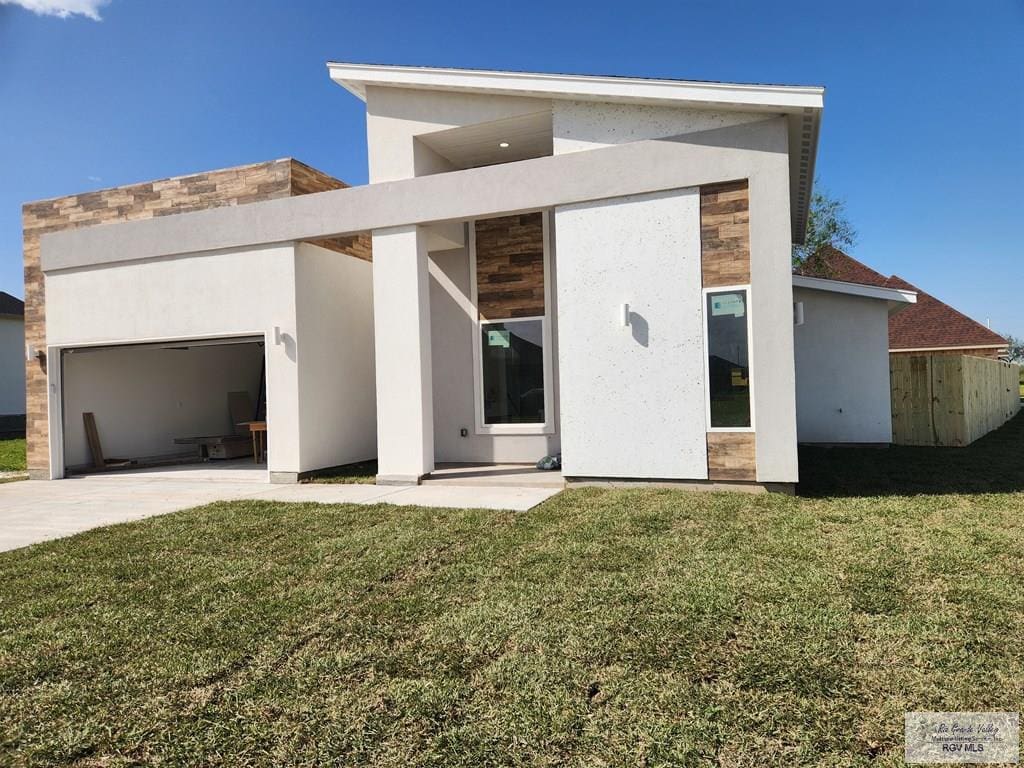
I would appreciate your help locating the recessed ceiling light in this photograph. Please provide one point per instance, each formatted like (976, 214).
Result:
(503, 144)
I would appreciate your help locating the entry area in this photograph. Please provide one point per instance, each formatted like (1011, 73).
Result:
(195, 407)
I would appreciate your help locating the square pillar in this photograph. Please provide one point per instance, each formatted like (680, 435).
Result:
(401, 316)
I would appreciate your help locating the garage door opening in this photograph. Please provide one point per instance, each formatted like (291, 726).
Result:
(193, 408)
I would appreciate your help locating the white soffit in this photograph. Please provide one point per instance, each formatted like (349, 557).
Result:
(472, 146)
(801, 104)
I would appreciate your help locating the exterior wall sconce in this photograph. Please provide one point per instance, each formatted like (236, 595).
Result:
(625, 315)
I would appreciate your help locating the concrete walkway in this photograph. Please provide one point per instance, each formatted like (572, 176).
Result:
(32, 511)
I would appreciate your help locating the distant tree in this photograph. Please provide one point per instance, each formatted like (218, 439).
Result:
(827, 225)
(1015, 348)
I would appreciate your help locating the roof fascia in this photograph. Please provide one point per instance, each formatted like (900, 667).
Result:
(894, 295)
(741, 96)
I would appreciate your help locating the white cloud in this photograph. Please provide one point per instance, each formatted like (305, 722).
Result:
(61, 8)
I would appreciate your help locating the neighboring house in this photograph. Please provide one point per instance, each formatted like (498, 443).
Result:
(930, 326)
(596, 266)
(12, 362)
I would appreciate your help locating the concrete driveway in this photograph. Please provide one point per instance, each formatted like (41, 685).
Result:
(32, 511)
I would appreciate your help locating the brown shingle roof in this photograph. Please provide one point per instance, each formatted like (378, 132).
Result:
(11, 305)
(833, 264)
(928, 324)
(931, 323)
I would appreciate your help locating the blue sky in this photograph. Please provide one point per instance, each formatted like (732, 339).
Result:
(922, 133)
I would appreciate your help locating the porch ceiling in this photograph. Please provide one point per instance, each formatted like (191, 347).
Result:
(499, 141)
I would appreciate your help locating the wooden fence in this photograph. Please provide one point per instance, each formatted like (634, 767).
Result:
(950, 399)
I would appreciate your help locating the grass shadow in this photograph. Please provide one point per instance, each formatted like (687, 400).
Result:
(362, 472)
(993, 464)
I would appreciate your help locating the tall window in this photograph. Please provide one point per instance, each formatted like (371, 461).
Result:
(727, 317)
(513, 380)
(512, 357)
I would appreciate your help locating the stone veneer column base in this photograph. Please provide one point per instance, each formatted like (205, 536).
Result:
(284, 478)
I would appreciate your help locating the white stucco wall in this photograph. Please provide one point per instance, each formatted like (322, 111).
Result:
(237, 292)
(581, 125)
(320, 377)
(144, 397)
(771, 308)
(842, 369)
(337, 402)
(452, 338)
(633, 402)
(402, 341)
(12, 366)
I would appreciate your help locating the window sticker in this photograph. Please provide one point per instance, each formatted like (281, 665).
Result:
(498, 339)
(728, 304)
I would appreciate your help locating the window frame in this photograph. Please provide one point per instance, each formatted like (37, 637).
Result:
(481, 426)
(707, 354)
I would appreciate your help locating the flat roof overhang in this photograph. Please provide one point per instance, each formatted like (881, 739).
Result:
(801, 105)
(896, 298)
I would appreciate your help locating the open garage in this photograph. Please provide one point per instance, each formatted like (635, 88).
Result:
(172, 403)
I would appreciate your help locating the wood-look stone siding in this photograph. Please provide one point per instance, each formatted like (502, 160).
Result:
(510, 266)
(725, 260)
(182, 194)
(731, 456)
(725, 234)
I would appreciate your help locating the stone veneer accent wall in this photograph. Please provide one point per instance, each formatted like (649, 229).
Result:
(510, 266)
(231, 186)
(724, 234)
(731, 456)
(306, 180)
(725, 260)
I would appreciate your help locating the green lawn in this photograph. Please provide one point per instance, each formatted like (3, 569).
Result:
(363, 472)
(605, 627)
(12, 454)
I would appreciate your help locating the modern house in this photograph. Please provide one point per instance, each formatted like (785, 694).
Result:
(592, 266)
(929, 327)
(12, 365)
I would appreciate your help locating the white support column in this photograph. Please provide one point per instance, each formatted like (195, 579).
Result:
(401, 315)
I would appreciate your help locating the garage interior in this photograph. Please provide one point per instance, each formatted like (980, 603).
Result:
(196, 402)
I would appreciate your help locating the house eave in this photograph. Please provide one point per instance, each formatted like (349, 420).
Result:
(895, 298)
(743, 96)
(802, 105)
